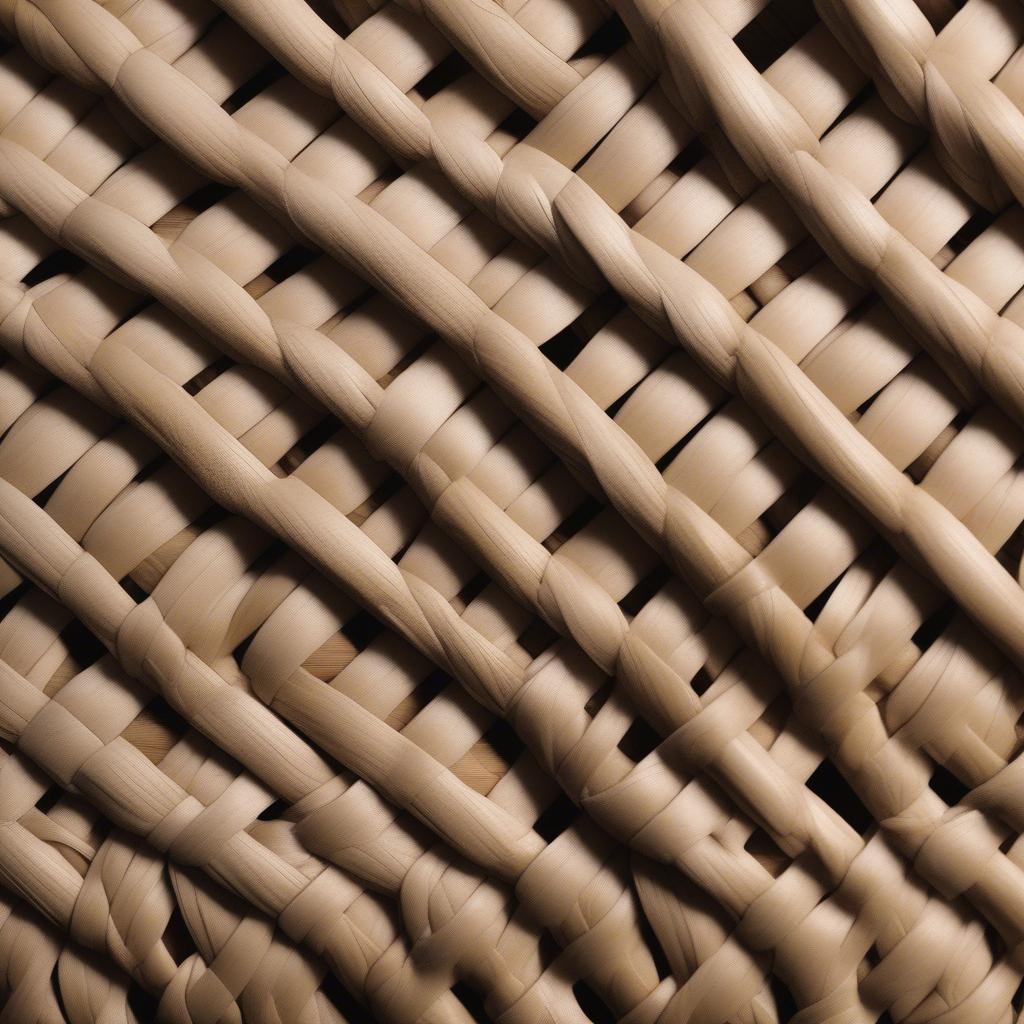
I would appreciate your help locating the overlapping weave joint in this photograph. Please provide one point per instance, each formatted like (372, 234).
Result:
(511, 510)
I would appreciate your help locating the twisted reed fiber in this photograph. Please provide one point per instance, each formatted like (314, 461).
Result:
(125, 904)
(93, 150)
(92, 990)
(494, 43)
(136, 795)
(79, 899)
(768, 215)
(934, 80)
(561, 593)
(188, 688)
(121, 904)
(864, 868)
(883, 892)
(734, 355)
(542, 549)
(477, 330)
(218, 65)
(331, 66)
(713, 77)
(241, 956)
(322, 53)
(28, 953)
(951, 932)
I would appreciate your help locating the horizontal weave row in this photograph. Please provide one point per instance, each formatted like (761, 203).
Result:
(748, 688)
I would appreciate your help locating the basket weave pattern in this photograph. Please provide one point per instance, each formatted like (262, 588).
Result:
(511, 510)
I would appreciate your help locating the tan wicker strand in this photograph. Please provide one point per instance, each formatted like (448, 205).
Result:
(930, 77)
(831, 838)
(895, 507)
(45, 566)
(232, 717)
(124, 879)
(229, 716)
(899, 511)
(137, 795)
(972, 337)
(325, 81)
(554, 587)
(994, 808)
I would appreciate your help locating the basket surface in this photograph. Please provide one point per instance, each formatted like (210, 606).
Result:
(511, 511)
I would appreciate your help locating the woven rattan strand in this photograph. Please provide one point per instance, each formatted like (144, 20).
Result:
(511, 511)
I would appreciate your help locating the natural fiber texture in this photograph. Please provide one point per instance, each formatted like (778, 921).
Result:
(511, 510)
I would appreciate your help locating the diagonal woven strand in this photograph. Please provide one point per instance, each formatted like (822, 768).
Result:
(565, 596)
(712, 75)
(123, 903)
(733, 353)
(886, 502)
(148, 647)
(986, 556)
(304, 33)
(976, 128)
(135, 794)
(23, 511)
(150, 651)
(138, 796)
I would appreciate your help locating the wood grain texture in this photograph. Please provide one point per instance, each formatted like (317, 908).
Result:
(514, 509)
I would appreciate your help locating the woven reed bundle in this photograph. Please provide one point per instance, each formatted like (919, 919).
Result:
(511, 512)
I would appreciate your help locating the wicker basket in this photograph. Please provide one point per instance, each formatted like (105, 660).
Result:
(510, 510)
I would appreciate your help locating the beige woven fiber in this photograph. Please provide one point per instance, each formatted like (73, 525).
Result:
(511, 511)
